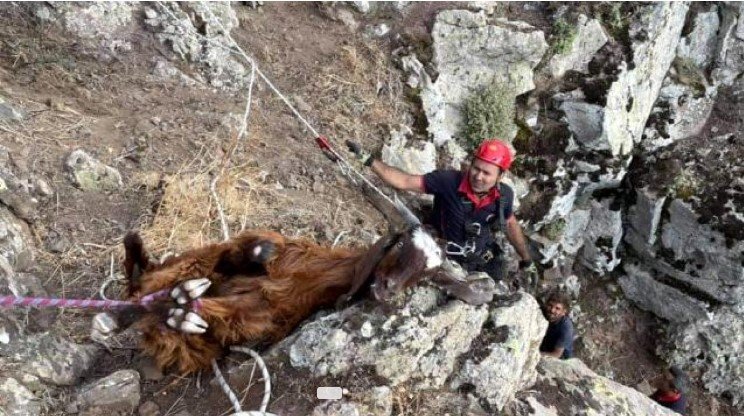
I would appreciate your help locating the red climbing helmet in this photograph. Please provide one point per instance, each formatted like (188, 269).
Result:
(495, 152)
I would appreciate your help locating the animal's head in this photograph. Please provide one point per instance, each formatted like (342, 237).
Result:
(400, 259)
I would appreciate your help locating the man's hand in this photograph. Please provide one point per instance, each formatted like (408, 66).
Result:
(361, 155)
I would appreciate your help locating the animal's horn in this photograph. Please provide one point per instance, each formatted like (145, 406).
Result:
(406, 213)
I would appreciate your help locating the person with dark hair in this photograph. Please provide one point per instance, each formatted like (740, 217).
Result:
(558, 340)
(671, 390)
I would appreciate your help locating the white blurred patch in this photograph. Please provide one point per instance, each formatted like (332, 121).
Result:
(424, 242)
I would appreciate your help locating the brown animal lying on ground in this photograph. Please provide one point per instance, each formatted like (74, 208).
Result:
(260, 285)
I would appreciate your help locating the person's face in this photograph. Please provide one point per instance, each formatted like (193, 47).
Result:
(556, 311)
(483, 175)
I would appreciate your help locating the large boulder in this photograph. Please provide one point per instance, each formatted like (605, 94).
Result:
(50, 358)
(421, 343)
(16, 399)
(569, 387)
(470, 52)
(174, 27)
(617, 125)
(428, 342)
(712, 347)
(507, 366)
(118, 393)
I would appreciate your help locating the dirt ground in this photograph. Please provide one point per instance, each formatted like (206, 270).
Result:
(163, 136)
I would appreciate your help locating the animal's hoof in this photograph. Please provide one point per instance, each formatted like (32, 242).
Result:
(187, 322)
(262, 252)
(190, 290)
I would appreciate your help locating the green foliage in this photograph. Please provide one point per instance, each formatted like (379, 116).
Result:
(488, 113)
(685, 185)
(563, 36)
(554, 230)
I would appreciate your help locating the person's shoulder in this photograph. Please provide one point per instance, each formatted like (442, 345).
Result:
(445, 175)
(506, 190)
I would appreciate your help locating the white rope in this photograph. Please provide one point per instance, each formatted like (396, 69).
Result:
(344, 166)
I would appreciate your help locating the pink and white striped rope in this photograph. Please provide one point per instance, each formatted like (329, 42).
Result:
(38, 302)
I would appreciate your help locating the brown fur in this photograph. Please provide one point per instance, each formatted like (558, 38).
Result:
(263, 300)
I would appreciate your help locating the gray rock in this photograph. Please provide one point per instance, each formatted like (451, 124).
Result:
(10, 112)
(16, 244)
(412, 345)
(655, 35)
(361, 6)
(586, 122)
(418, 159)
(729, 59)
(709, 265)
(212, 59)
(602, 236)
(118, 392)
(712, 346)
(509, 363)
(661, 300)
(700, 44)
(148, 408)
(470, 53)
(645, 215)
(91, 175)
(569, 387)
(17, 400)
(52, 359)
(681, 111)
(590, 37)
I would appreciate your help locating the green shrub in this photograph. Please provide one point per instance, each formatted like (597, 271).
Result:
(685, 185)
(563, 36)
(489, 113)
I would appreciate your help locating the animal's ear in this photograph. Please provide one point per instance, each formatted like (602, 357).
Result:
(136, 260)
(470, 291)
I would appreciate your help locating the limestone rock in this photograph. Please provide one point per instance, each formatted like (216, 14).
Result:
(569, 387)
(709, 265)
(471, 52)
(729, 60)
(629, 100)
(52, 359)
(662, 300)
(118, 392)
(508, 365)
(10, 112)
(17, 400)
(421, 343)
(602, 236)
(700, 44)
(16, 244)
(215, 62)
(416, 160)
(712, 346)
(645, 215)
(91, 175)
(589, 38)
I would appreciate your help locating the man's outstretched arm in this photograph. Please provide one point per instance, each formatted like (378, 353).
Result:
(396, 178)
(516, 237)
